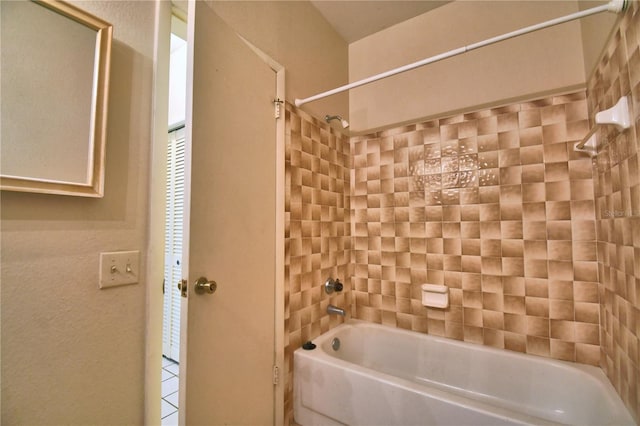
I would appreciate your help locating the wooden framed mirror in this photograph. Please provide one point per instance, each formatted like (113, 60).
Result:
(53, 109)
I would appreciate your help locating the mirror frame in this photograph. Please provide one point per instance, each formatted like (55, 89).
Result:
(99, 105)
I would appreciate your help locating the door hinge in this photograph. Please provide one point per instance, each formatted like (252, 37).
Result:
(277, 103)
(276, 375)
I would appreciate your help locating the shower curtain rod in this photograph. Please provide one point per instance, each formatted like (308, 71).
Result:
(613, 6)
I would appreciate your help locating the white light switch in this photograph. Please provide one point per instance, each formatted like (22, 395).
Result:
(119, 268)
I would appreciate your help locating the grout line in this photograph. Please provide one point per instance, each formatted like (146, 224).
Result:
(172, 375)
(168, 415)
(169, 402)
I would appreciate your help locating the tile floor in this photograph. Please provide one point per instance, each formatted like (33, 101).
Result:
(169, 403)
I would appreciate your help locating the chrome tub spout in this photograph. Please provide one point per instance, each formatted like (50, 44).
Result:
(335, 310)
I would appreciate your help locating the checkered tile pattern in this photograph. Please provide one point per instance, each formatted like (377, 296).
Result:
(317, 232)
(617, 186)
(495, 205)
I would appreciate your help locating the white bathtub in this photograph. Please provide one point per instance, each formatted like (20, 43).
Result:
(387, 376)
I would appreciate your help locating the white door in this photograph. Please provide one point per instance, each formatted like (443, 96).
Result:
(229, 350)
(174, 219)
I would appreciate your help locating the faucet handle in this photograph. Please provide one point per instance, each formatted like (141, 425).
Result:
(332, 285)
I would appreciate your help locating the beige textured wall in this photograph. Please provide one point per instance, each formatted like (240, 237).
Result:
(296, 35)
(617, 195)
(529, 66)
(72, 353)
(596, 31)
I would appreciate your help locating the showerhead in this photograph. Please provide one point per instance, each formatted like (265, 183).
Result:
(344, 122)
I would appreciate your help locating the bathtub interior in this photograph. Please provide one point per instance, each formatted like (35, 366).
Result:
(548, 389)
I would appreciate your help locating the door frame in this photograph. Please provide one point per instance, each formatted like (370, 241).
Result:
(155, 247)
(156, 220)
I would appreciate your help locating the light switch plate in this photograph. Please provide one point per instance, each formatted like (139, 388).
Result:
(119, 268)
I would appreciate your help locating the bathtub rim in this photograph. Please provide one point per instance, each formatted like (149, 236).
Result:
(591, 370)
(593, 373)
(440, 395)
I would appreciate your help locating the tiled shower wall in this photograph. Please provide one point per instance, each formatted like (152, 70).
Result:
(496, 205)
(317, 232)
(617, 185)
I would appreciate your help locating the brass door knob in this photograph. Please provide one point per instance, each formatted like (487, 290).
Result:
(203, 285)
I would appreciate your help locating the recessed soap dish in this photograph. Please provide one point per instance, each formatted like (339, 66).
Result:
(435, 296)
